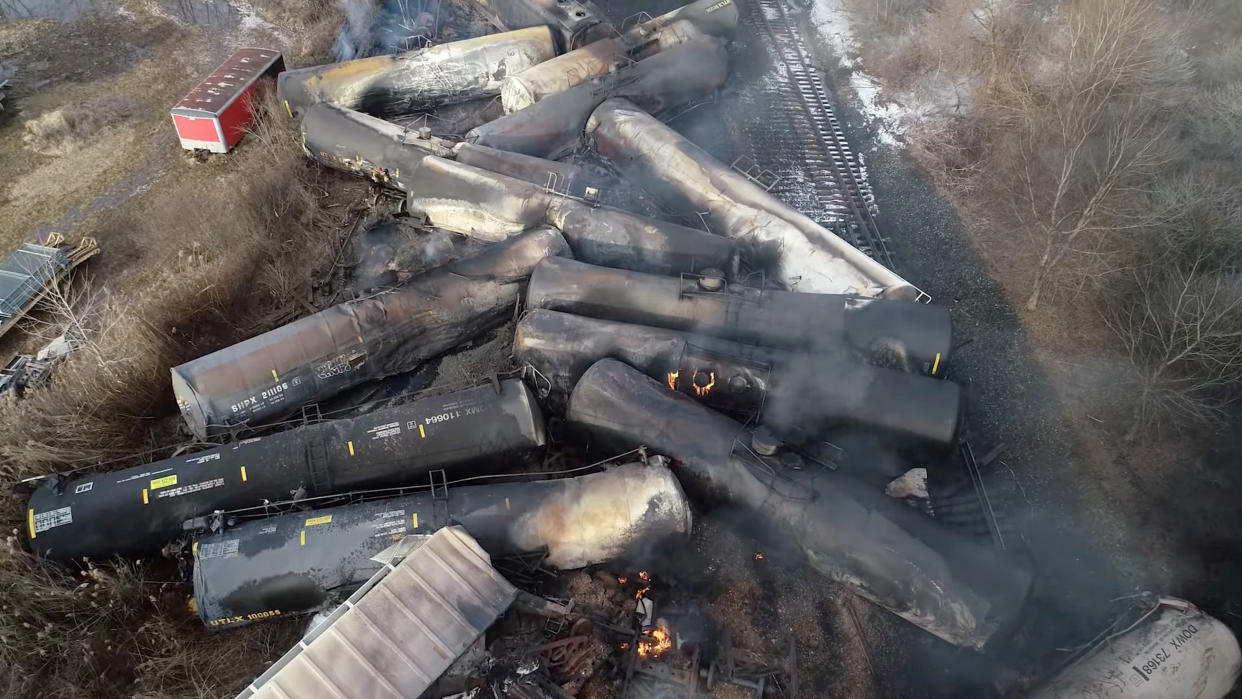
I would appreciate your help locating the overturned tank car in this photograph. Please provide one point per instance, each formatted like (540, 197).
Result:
(136, 511)
(364, 145)
(273, 374)
(442, 74)
(488, 205)
(886, 552)
(295, 562)
(554, 125)
(575, 22)
(904, 334)
(810, 257)
(704, 17)
(799, 396)
(1172, 649)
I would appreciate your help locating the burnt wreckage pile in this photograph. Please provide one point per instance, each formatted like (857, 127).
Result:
(721, 365)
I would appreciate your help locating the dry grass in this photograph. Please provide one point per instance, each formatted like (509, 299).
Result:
(257, 233)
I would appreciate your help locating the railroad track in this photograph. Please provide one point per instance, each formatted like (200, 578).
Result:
(804, 128)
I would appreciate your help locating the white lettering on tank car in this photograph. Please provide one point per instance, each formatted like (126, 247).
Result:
(44, 521)
(192, 488)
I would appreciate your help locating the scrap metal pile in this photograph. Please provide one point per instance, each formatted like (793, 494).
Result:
(719, 364)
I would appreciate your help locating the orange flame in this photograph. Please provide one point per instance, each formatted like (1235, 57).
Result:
(624, 646)
(759, 556)
(644, 575)
(672, 379)
(623, 580)
(654, 642)
(701, 391)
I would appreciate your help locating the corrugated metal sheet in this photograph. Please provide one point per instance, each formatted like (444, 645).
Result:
(25, 272)
(401, 631)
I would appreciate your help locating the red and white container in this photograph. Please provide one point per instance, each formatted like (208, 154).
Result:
(214, 115)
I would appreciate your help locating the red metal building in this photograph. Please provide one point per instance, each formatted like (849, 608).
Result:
(214, 115)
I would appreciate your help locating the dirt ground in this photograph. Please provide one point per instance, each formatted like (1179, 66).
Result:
(1099, 521)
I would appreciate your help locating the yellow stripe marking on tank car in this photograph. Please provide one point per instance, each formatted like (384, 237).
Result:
(274, 376)
(145, 499)
(302, 538)
(288, 109)
(414, 519)
(422, 434)
(157, 483)
(243, 474)
(936, 364)
(360, 340)
(350, 444)
(326, 519)
(30, 521)
(194, 549)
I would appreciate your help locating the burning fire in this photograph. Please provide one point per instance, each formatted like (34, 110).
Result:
(645, 577)
(701, 391)
(759, 556)
(654, 642)
(672, 379)
(624, 646)
(623, 580)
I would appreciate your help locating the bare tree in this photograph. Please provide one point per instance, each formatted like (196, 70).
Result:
(1182, 330)
(1084, 116)
(80, 312)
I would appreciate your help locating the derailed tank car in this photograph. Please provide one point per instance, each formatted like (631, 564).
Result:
(884, 551)
(273, 374)
(553, 126)
(136, 511)
(811, 258)
(1172, 650)
(704, 17)
(800, 396)
(295, 562)
(488, 205)
(394, 85)
(364, 145)
(905, 334)
(575, 21)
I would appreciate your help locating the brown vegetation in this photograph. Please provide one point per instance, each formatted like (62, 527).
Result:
(261, 234)
(1092, 145)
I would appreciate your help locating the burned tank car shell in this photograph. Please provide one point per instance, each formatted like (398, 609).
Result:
(297, 561)
(136, 511)
(1174, 650)
(950, 586)
(400, 84)
(807, 256)
(704, 17)
(557, 176)
(903, 334)
(553, 126)
(575, 22)
(272, 375)
(364, 145)
(487, 205)
(801, 396)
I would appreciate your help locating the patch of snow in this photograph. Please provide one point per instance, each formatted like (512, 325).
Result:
(251, 23)
(888, 118)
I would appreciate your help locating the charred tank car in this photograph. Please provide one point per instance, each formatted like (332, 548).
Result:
(553, 126)
(269, 376)
(428, 77)
(295, 562)
(488, 205)
(704, 17)
(799, 396)
(687, 178)
(136, 511)
(575, 22)
(903, 334)
(881, 549)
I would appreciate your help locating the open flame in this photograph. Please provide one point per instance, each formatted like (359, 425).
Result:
(672, 379)
(701, 391)
(645, 577)
(654, 642)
